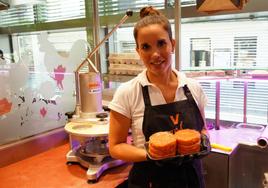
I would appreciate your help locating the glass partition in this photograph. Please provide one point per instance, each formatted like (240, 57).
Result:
(38, 89)
(241, 100)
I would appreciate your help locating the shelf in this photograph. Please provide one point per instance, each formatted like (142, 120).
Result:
(117, 78)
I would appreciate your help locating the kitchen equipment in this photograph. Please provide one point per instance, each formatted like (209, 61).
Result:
(88, 146)
(262, 140)
(88, 128)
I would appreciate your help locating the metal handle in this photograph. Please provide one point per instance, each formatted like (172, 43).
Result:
(128, 14)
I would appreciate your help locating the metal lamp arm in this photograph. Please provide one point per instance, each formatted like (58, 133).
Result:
(87, 60)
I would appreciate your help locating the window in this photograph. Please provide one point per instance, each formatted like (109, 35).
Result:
(21, 15)
(52, 10)
(126, 47)
(222, 57)
(55, 10)
(200, 52)
(245, 51)
(108, 7)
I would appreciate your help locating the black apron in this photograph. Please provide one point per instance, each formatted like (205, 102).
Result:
(166, 117)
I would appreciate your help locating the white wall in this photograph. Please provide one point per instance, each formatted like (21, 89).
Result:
(222, 36)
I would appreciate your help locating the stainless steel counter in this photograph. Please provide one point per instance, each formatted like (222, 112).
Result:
(243, 167)
(232, 137)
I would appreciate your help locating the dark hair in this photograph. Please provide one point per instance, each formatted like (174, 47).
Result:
(149, 16)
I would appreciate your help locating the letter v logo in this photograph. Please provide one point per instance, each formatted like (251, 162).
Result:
(175, 120)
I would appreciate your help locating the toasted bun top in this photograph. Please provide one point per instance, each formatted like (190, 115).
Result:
(162, 138)
(187, 135)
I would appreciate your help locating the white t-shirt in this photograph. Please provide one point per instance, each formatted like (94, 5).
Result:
(128, 100)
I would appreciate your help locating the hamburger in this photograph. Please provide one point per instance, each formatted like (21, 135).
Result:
(167, 144)
(188, 141)
(162, 145)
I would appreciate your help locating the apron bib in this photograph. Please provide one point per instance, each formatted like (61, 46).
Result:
(166, 117)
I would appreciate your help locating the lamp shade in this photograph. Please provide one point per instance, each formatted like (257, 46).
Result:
(211, 6)
(4, 5)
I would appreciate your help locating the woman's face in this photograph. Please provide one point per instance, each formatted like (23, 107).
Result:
(155, 48)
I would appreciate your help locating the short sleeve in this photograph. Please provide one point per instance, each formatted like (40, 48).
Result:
(120, 102)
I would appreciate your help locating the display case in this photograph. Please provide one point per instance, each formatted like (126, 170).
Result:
(232, 99)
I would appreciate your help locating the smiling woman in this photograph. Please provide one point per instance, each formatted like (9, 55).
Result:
(155, 49)
(155, 46)
(146, 103)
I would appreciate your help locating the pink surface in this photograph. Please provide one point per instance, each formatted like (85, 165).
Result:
(49, 170)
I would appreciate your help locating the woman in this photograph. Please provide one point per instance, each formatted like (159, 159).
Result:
(145, 104)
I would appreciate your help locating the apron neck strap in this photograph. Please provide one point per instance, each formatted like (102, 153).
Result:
(146, 97)
(188, 94)
(190, 97)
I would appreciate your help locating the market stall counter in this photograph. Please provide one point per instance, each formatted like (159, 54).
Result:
(239, 161)
(49, 169)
